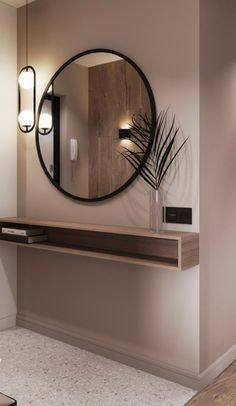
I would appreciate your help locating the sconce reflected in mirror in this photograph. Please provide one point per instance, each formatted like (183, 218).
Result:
(45, 125)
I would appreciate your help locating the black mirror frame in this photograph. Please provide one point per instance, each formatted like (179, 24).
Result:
(153, 121)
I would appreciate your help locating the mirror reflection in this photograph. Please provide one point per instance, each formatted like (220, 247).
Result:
(84, 124)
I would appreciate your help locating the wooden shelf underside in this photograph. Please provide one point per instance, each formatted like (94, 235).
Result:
(161, 263)
(168, 250)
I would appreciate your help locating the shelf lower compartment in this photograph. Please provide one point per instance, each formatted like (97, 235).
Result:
(168, 250)
(166, 263)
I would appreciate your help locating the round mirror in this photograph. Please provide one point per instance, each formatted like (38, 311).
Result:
(84, 120)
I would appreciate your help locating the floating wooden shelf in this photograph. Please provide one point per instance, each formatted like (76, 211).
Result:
(165, 249)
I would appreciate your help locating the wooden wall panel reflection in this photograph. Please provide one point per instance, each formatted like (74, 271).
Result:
(116, 93)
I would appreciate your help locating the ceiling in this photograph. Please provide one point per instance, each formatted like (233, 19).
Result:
(16, 3)
(97, 58)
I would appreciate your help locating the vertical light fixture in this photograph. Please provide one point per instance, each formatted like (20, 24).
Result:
(26, 89)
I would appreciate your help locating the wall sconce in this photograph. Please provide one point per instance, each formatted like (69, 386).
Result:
(124, 133)
(46, 124)
(27, 90)
(27, 85)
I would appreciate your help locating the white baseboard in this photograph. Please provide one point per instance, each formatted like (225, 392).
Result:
(113, 350)
(218, 366)
(7, 322)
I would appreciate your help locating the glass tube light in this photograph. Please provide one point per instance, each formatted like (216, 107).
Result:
(26, 79)
(26, 119)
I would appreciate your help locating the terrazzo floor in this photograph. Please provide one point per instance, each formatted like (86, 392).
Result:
(40, 371)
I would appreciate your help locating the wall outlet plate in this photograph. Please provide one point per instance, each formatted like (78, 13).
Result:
(177, 215)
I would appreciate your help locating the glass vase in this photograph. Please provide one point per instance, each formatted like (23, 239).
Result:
(153, 211)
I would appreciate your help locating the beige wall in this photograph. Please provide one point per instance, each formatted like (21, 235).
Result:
(149, 314)
(218, 186)
(8, 158)
(72, 86)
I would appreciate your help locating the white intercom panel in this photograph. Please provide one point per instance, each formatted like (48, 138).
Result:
(73, 149)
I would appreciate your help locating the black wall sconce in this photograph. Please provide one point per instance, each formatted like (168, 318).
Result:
(27, 89)
(27, 84)
(124, 133)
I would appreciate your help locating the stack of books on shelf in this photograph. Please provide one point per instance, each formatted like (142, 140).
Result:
(26, 235)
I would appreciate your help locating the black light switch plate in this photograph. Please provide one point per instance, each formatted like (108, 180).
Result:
(177, 215)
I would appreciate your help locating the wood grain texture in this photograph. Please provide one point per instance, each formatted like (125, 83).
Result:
(189, 251)
(175, 235)
(222, 392)
(116, 93)
(124, 244)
